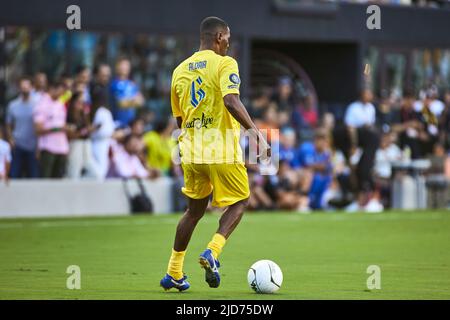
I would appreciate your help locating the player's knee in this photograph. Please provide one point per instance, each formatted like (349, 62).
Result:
(240, 206)
(244, 203)
(194, 214)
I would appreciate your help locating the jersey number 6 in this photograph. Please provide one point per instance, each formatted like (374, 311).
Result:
(194, 93)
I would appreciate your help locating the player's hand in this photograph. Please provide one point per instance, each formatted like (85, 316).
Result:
(265, 152)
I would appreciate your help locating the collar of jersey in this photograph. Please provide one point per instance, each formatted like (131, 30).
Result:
(203, 51)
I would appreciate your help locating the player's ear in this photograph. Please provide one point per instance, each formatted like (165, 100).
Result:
(219, 36)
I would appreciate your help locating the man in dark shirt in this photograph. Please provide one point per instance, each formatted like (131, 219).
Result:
(410, 127)
(100, 84)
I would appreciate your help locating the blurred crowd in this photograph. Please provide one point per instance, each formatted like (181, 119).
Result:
(327, 163)
(92, 125)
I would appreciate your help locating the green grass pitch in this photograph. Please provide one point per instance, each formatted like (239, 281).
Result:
(322, 256)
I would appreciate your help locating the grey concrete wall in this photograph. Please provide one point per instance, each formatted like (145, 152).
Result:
(58, 198)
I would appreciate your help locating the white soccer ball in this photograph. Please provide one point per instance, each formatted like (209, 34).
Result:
(265, 276)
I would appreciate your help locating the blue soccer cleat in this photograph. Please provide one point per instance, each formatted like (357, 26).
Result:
(168, 283)
(211, 266)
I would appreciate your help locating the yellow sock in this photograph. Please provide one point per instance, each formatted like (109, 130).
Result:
(216, 244)
(175, 268)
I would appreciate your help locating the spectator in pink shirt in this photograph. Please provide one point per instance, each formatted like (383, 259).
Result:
(125, 161)
(50, 124)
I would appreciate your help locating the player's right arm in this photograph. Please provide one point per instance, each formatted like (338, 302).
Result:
(234, 105)
(229, 86)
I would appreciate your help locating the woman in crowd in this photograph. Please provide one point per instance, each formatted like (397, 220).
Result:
(81, 160)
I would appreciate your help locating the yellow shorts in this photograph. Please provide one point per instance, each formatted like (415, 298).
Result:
(228, 181)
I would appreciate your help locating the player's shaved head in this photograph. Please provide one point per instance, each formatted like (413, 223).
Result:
(214, 35)
(210, 26)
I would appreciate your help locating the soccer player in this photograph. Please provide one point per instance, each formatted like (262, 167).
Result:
(206, 104)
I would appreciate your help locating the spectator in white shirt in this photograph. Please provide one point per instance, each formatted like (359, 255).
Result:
(362, 112)
(436, 106)
(360, 119)
(104, 128)
(386, 154)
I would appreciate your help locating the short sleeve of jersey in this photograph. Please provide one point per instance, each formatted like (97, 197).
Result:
(229, 76)
(174, 99)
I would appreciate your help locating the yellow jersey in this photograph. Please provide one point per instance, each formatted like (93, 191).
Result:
(209, 133)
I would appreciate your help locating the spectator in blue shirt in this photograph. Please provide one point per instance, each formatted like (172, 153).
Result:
(288, 151)
(125, 94)
(315, 160)
(20, 132)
